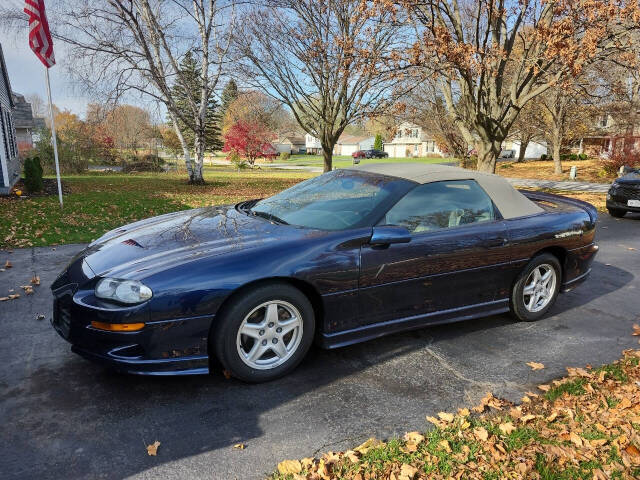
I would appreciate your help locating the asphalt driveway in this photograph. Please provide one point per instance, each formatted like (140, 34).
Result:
(63, 417)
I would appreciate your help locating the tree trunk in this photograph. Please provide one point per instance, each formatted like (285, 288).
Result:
(524, 143)
(488, 152)
(195, 176)
(327, 155)
(557, 163)
(183, 143)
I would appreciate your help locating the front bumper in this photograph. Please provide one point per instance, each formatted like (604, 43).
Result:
(618, 196)
(168, 347)
(620, 205)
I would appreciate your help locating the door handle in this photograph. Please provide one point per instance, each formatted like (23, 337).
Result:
(497, 242)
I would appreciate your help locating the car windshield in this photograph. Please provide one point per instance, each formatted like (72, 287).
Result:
(337, 200)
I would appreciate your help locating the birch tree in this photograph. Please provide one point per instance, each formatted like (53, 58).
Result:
(122, 47)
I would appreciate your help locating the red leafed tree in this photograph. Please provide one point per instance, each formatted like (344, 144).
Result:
(250, 139)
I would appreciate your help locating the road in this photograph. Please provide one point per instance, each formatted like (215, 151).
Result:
(63, 417)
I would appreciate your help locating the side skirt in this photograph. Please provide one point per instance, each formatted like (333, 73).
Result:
(369, 332)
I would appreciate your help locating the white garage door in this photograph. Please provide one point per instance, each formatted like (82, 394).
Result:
(348, 149)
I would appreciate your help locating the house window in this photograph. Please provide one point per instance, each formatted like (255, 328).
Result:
(12, 136)
(603, 121)
(3, 132)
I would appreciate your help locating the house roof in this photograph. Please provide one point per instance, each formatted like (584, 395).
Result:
(295, 138)
(509, 201)
(352, 139)
(22, 113)
(5, 74)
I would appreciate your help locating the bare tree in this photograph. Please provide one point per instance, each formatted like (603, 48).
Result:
(38, 105)
(490, 57)
(329, 61)
(125, 46)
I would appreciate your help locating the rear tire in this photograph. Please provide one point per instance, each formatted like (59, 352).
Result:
(536, 288)
(264, 333)
(617, 212)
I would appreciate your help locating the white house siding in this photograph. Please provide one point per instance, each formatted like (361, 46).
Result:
(534, 149)
(347, 149)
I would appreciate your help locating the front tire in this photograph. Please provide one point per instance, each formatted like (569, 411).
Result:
(617, 212)
(264, 333)
(536, 288)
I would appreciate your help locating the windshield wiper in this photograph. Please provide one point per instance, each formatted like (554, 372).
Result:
(268, 216)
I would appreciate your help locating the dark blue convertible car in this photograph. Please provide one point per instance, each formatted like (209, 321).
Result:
(341, 258)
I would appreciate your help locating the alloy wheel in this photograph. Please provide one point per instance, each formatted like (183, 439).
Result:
(269, 335)
(539, 287)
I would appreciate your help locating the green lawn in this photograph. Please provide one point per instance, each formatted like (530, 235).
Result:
(100, 202)
(342, 161)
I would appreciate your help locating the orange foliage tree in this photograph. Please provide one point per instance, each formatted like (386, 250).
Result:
(490, 57)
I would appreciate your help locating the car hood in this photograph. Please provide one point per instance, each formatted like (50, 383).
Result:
(140, 248)
(630, 178)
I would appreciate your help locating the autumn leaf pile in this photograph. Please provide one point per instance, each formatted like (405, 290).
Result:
(583, 426)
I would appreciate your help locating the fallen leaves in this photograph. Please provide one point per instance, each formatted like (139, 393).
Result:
(287, 467)
(239, 446)
(8, 264)
(481, 434)
(152, 449)
(588, 420)
(489, 401)
(506, 428)
(535, 365)
(35, 280)
(636, 330)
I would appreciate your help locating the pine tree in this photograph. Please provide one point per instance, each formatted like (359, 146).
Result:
(190, 87)
(229, 94)
(377, 143)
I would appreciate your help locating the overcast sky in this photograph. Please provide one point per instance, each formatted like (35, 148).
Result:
(26, 72)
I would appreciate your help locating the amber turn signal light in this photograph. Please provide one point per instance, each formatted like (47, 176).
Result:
(118, 327)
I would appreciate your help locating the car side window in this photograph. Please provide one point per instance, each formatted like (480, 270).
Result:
(438, 205)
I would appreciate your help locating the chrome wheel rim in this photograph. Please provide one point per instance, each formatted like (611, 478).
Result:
(269, 335)
(539, 288)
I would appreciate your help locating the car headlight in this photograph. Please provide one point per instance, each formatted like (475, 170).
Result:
(125, 291)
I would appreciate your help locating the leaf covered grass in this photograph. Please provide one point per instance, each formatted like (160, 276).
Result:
(99, 202)
(583, 426)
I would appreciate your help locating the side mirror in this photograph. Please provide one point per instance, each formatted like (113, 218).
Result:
(388, 234)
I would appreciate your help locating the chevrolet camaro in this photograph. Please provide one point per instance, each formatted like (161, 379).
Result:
(344, 257)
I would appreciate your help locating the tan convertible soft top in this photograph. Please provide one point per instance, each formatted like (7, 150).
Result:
(509, 201)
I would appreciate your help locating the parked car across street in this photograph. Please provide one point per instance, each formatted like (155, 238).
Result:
(624, 194)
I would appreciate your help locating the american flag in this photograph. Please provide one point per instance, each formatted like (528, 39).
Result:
(40, 39)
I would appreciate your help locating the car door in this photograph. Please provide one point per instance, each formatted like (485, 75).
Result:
(455, 259)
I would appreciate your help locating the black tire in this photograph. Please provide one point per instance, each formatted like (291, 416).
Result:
(517, 302)
(224, 337)
(617, 212)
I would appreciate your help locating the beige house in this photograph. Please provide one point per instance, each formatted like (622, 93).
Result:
(411, 141)
(290, 142)
(346, 145)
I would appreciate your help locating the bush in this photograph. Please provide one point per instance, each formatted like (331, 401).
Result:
(573, 157)
(470, 162)
(544, 157)
(235, 159)
(284, 156)
(583, 156)
(147, 163)
(611, 165)
(33, 174)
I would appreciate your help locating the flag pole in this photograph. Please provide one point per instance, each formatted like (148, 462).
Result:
(53, 136)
